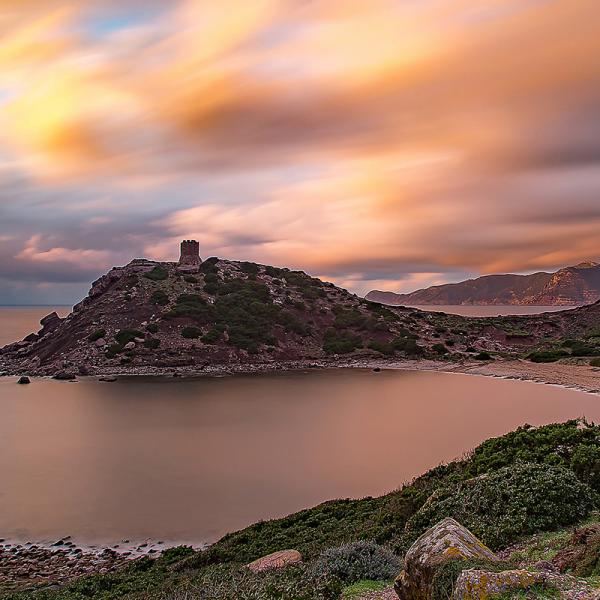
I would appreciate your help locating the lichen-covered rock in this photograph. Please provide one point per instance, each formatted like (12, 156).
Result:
(276, 560)
(476, 584)
(448, 540)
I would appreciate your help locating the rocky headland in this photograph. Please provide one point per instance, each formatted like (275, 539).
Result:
(220, 316)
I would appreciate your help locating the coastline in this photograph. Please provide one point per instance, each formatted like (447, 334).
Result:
(576, 376)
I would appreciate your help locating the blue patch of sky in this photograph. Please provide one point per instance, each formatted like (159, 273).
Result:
(107, 21)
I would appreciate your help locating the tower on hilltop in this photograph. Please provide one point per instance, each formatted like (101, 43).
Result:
(189, 258)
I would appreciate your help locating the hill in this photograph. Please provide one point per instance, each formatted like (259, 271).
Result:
(570, 286)
(222, 316)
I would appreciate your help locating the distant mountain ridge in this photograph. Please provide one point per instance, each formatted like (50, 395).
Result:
(570, 286)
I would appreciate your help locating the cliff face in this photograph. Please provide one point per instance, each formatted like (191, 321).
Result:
(570, 286)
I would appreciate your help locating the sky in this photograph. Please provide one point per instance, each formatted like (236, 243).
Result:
(388, 144)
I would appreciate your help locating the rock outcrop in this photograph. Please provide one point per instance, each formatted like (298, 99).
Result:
(276, 560)
(446, 541)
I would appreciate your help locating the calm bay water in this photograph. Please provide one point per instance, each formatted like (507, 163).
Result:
(18, 321)
(188, 460)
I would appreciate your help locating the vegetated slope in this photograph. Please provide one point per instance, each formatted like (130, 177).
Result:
(147, 317)
(569, 286)
(150, 315)
(528, 481)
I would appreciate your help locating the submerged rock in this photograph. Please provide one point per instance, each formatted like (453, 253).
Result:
(24, 380)
(447, 540)
(276, 560)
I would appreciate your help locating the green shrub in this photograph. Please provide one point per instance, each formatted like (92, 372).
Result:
(483, 356)
(546, 356)
(348, 318)
(124, 336)
(159, 297)
(381, 347)
(211, 283)
(152, 327)
(157, 274)
(574, 445)
(582, 349)
(595, 362)
(408, 345)
(152, 343)
(341, 342)
(291, 323)
(191, 305)
(439, 348)
(98, 334)
(191, 332)
(358, 560)
(249, 267)
(190, 279)
(506, 504)
(212, 336)
(113, 350)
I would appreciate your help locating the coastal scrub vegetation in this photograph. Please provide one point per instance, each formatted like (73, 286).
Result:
(158, 273)
(530, 480)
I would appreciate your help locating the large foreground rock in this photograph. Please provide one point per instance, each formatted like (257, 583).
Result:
(276, 560)
(448, 540)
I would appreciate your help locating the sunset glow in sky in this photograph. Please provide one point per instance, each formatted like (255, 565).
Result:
(387, 144)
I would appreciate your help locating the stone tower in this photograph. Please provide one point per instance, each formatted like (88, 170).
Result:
(189, 259)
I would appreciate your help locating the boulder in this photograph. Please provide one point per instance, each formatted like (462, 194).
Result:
(276, 560)
(100, 342)
(50, 321)
(64, 376)
(23, 380)
(445, 541)
(129, 346)
(475, 584)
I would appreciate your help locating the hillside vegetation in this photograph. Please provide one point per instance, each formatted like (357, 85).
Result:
(149, 317)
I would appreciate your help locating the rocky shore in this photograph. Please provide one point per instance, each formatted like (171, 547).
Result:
(28, 566)
(578, 375)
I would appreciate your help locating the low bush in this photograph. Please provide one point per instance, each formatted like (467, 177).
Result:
(348, 318)
(504, 505)
(382, 347)
(595, 362)
(124, 336)
(583, 349)
(152, 343)
(341, 342)
(190, 279)
(408, 345)
(357, 560)
(546, 356)
(439, 349)
(96, 335)
(212, 336)
(152, 327)
(157, 274)
(483, 356)
(159, 297)
(191, 332)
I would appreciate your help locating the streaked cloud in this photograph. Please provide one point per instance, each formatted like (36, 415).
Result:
(401, 142)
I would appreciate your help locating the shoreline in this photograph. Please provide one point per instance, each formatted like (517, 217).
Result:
(575, 376)
(29, 566)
